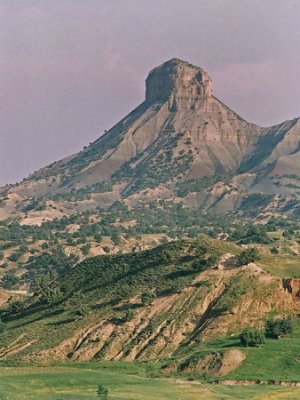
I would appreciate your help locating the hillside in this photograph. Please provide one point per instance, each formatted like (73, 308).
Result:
(170, 301)
(182, 145)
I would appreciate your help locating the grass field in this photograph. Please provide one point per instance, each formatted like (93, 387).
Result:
(276, 360)
(79, 382)
(282, 266)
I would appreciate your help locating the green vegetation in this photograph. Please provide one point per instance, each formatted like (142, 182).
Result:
(102, 392)
(276, 360)
(254, 202)
(138, 270)
(70, 298)
(250, 233)
(279, 327)
(94, 289)
(252, 337)
(2, 326)
(57, 244)
(158, 166)
(271, 361)
(283, 264)
(247, 256)
(9, 280)
(147, 297)
(123, 381)
(197, 185)
(46, 288)
(274, 328)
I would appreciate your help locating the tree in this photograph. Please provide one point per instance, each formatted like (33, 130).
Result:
(77, 305)
(106, 249)
(98, 237)
(86, 249)
(147, 297)
(248, 255)
(252, 337)
(128, 316)
(46, 288)
(274, 250)
(9, 280)
(2, 326)
(102, 392)
(115, 238)
(278, 327)
(14, 306)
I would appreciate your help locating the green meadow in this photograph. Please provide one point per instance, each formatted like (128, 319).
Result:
(79, 382)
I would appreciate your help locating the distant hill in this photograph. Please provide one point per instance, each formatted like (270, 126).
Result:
(181, 144)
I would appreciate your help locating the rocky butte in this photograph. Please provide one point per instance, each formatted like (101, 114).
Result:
(179, 136)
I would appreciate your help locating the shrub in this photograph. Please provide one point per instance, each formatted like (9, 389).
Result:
(46, 288)
(128, 316)
(9, 280)
(102, 392)
(274, 250)
(278, 327)
(252, 337)
(147, 297)
(14, 306)
(86, 249)
(116, 239)
(77, 305)
(248, 255)
(98, 238)
(2, 326)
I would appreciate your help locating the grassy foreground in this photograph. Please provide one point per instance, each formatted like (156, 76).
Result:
(79, 382)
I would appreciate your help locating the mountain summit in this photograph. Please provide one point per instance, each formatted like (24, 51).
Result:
(181, 84)
(181, 144)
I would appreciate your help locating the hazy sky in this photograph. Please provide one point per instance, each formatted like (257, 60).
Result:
(71, 68)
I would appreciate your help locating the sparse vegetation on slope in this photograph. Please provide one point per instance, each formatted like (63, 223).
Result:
(158, 302)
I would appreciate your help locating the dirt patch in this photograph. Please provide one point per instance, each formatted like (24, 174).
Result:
(215, 364)
(4, 297)
(292, 286)
(231, 360)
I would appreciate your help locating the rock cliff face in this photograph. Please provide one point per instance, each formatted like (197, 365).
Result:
(180, 136)
(184, 86)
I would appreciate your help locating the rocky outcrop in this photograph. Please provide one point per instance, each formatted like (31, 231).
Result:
(182, 85)
(292, 286)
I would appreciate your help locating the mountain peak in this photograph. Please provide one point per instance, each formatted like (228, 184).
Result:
(180, 83)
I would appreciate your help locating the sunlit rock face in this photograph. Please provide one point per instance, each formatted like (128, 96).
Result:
(181, 84)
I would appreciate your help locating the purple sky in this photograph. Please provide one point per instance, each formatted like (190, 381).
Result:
(71, 68)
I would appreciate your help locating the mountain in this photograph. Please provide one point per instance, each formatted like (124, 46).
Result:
(181, 144)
